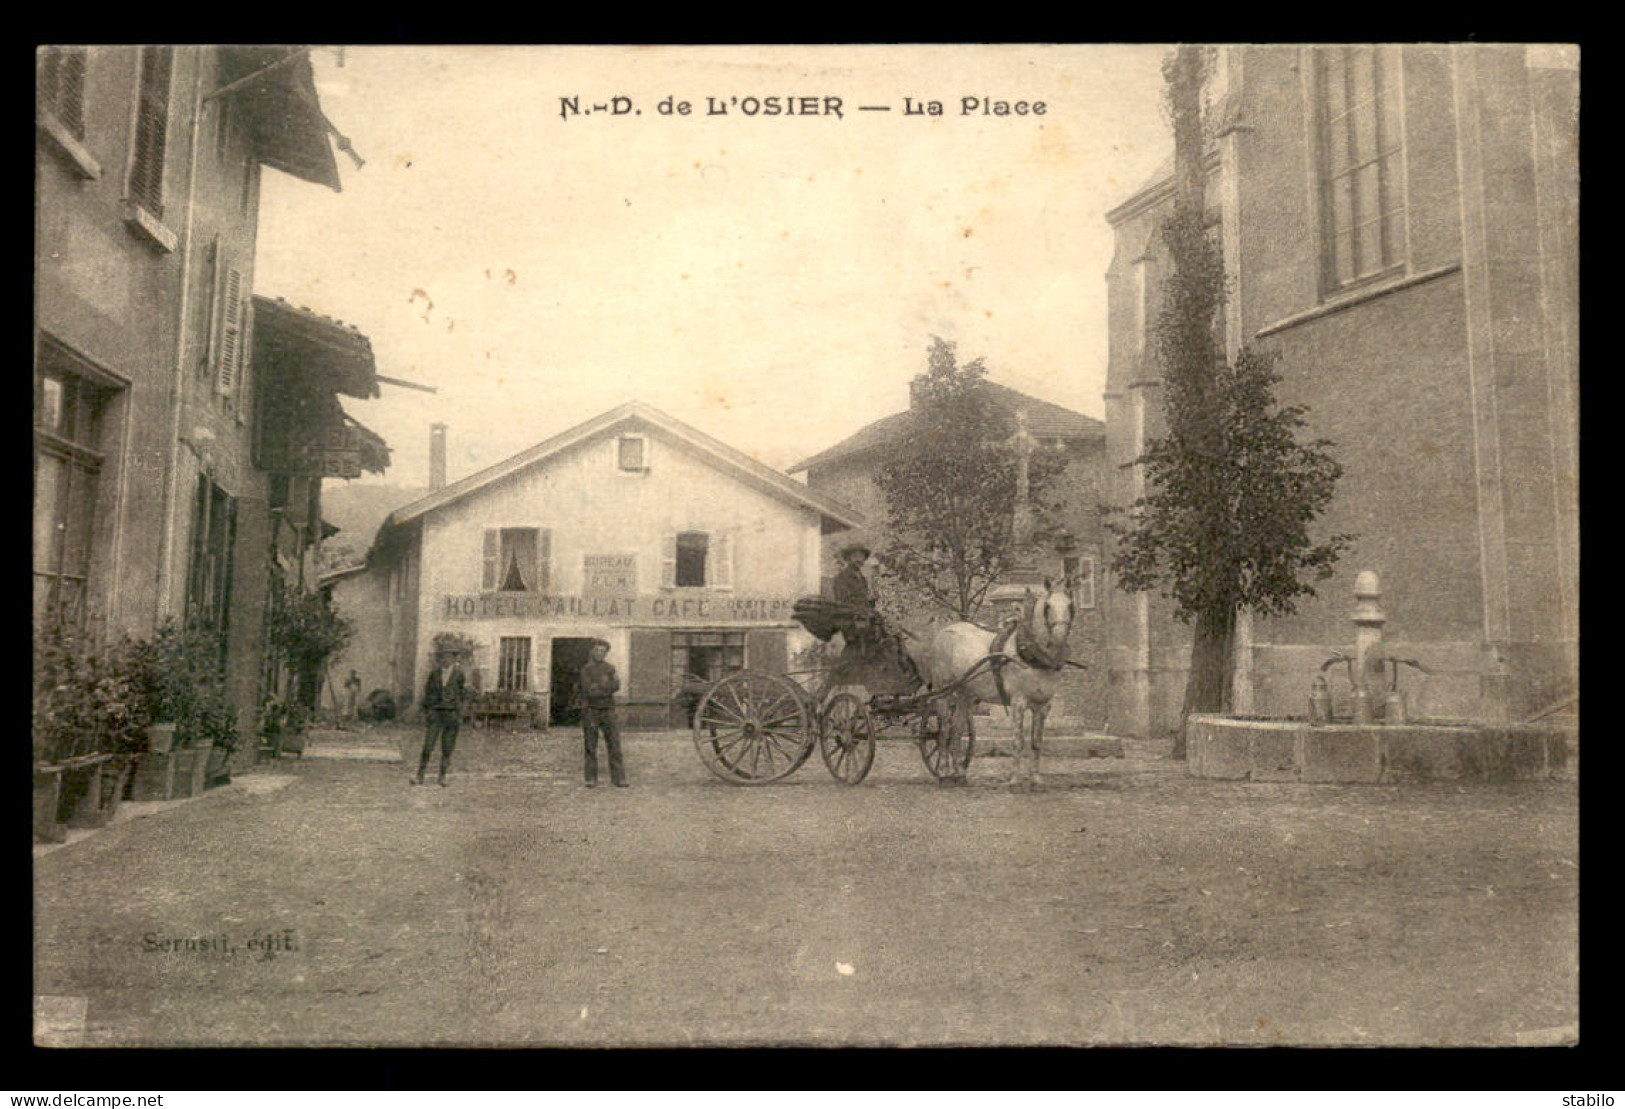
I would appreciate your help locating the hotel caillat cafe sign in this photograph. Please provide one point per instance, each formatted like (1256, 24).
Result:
(624, 609)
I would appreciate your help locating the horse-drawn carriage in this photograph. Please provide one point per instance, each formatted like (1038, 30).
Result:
(753, 726)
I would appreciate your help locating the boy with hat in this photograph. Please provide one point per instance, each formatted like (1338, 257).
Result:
(599, 684)
(442, 711)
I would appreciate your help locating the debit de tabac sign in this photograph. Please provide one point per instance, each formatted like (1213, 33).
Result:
(673, 609)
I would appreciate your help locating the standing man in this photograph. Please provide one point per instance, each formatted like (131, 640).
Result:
(599, 683)
(352, 690)
(442, 711)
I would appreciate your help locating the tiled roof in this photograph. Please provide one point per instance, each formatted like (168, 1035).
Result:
(332, 348)
(835, 515)
(1044, 421)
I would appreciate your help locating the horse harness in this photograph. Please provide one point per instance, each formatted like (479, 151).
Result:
(1028, 649)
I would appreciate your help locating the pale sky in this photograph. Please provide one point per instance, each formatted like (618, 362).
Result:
(774, 281)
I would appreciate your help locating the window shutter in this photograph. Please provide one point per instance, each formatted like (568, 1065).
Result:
(668, 560)
(544, 560)
(765, 649)
(64, 73)
(648, 669)
(151, 130)
(488, 576)
(722, 555)
(228, 556)
(245, 359)
(229, 347)
(1086, 585)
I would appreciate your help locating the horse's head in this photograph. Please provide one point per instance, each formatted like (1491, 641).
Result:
(1054, 615)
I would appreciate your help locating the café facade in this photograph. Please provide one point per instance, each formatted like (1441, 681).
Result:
(682, 552)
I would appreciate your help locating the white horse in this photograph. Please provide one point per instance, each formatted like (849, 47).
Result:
(946, 656)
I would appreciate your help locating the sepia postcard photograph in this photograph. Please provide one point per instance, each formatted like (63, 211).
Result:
(838, 546)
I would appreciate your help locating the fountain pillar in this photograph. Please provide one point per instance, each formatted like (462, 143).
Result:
(1369, 668)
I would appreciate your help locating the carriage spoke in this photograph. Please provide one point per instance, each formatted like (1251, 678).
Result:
(728, 744)
(759, 751)
(722, 713)
(740, 708)
(775, 710)
(781, 744)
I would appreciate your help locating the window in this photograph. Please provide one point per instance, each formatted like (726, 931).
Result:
(513, 664)
(692, 547)
(1079, 572)
(70, 409)
(1140, 294)
(214, 539)
(632, 454)
(515, 560)
(1362, 187)
(696, 559)
(705, 656)
(151, 129)
(62, 86)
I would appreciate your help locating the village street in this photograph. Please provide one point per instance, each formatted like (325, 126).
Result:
(1124, 902)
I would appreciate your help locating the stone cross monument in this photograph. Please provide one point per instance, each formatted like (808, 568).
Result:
(1020, 571)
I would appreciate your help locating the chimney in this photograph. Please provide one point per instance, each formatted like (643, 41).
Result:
(437, 456)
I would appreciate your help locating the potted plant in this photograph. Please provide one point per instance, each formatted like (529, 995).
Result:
(183, 709)
(303, 632)
(82, 718)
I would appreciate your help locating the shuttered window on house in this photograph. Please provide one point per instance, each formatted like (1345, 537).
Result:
(695, 559)
(151, 129)
(516, 560)
(62, 86)
(214, 542)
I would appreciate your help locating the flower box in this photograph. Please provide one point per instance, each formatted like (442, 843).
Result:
(170, 774)
(160, 738)
(81, 801)
(191, 764)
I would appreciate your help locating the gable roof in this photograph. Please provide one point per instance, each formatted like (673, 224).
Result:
(834, 515)
(1044, 421)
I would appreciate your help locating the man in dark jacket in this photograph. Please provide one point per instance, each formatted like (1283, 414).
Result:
(599, 684)
(442, 712)
(851, 589)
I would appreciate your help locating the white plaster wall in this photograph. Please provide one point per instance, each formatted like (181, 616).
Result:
(591, 508)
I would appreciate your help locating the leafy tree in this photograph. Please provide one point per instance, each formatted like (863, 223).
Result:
(304, 632)
(950, 492)
(1232, 492)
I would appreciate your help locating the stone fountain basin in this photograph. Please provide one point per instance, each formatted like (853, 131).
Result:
(1264, 750)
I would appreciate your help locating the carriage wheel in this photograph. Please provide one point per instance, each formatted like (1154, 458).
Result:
(846, 738)
(753, 727)
(947, 755)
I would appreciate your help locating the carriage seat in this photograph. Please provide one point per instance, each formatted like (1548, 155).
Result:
(823, 618)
